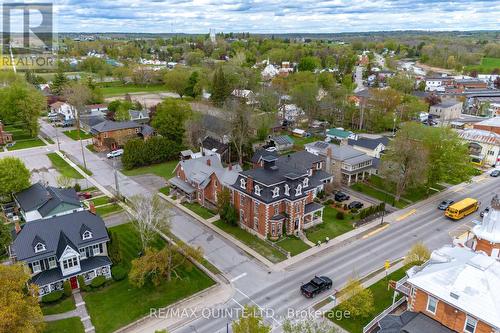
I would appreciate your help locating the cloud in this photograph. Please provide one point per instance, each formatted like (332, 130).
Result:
(194, 16)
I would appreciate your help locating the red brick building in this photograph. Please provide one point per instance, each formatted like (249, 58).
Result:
(486, 236)
(5, 137)
(276, 196)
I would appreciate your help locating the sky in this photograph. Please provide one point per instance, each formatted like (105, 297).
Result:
(273, 16)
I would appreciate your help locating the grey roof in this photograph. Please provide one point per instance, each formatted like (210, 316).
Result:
(214, 145)
(138, 114)
(343, 152)
(64, 242)
(185, 187)
(312, 207)
(198, 171)
(109, 125)
(282, 140)
(147, 130)
(91, 120)
(358, 159)
(446, 104)
(51, 231)
(54, 274)
(262, 152)
(411, 322)
(368, 143)
(46, 199)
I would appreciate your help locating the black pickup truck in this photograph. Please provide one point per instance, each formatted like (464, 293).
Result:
(315, 286)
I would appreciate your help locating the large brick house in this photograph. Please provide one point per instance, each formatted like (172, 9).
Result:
(486, 236)
(276, 196)
(62, 248)
(109, 135)
(5, 137)
(202, 178)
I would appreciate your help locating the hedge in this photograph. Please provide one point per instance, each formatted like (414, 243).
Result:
(98, 281)
(67, 288)
(154, 150)
(119, 272)
(81, 283)
(53, 296)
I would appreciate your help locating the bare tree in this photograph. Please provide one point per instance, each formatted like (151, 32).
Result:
(152, 214)
(239, 116)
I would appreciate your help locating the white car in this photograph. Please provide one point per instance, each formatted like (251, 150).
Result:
(115, 153)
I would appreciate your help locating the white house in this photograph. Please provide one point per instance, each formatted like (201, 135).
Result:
(484, 146)
(447, 110)
(65, 110)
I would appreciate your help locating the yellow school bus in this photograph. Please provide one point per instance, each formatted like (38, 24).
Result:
(462, 208)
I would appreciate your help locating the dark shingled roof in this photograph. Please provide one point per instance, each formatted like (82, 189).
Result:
(64, 242)
(109, 125)
(53, 229)
(369, 143)
(411, 322)
(46, 199)
(262, 152)
(211, 143)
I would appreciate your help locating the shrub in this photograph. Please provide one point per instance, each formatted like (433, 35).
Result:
(98, 281)
(67, 288)
(81, 283)
(354, 210)
(329, 202)
(53, 296)
(340, 215)
(77, 187)
(114, 248)
(119, 272)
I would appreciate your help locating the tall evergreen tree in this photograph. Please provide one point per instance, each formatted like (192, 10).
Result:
(220, 87)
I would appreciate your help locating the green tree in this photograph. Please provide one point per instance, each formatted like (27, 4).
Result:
(177, 80)
(170, 118)
(14, 176)
(5, 238)
(250, 322)
(357, 300)
(58, 82)
(402, 82)
(225, 209)
(22, 102)
(417, 255)
(192, 86)
(221, 89)
(308, 64)
(305, 96)
(122, 112)
(308, 326)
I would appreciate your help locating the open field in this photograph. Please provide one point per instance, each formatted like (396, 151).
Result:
(164, 170)
(486, 67)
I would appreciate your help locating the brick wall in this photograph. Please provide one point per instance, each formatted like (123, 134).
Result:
(486, 246)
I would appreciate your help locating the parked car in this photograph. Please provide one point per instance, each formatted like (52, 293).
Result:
(341, 196)
(316, 286)
(355, 204)
(495, 173)
(115, 153)
(484, 212)
(445, 204)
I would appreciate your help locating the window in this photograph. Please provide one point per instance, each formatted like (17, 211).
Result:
(287, 189)
(298, 190)
(71, 262)
(276, 209)
(243, 183)
(257, 190)
(273, 229)
(470, 325)
(255, 207)
(242, 215)
(432, 304)
(86, 235)
(297, 207)
(306, 182)
(39, 247)
(256, 223)
(83, 253)
(52, 262)
(276, 192)
(95, 249)
(36, 267)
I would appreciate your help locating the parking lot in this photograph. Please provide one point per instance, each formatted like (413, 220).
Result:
(354, 196)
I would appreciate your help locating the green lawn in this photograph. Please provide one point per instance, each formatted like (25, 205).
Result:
(117, 88)
(121, 303)
(412, 194)
(164, 170)
(69, 325)
(27, 143)
(73, 134)
(487, 65)
(63, 167)
(252, 241)
(108, 209)
(64, 305)
(300, 142)
(372, 192)
(293, 245)
(198, 209)
(382, 300)
(165, 190)
(331, 226)
(101, 200)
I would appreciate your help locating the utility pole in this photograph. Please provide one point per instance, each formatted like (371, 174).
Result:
(80, 137)
(57, 138)
(116, 179)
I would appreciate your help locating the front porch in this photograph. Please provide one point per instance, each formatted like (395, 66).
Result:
(349, 178)
(182, 188)
(313, 214)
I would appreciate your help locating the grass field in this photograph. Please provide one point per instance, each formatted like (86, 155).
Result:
(252, 241)
(69, 325)
(108, 210)
(164, 170)
(200, 210)
(110, 89)
(63, 167)
(293, 245)
(64, 305)
(101, 200)
(73, 134)
(121, 303)
(331, 226)
(22, 137)
(486, 67)
(382, 300)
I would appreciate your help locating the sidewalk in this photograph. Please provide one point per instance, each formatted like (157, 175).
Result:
(80, 311)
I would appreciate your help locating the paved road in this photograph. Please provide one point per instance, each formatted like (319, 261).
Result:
(358, 78)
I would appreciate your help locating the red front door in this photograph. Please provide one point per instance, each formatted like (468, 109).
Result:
(74, 282)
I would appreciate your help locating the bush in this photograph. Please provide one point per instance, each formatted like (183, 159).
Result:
(77, 187)
(354, 210)
(53, 296)
(340, 215)
(321, 194)
(81, 283)
(119, 272)
(98, 281)
(329, 202)
(67, 288)
(114, 248)
(157, 149)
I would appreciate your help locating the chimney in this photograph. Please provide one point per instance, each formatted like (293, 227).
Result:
(250, 184)
(209, 162)
(92, 208)
(17, 227)
(329, 152)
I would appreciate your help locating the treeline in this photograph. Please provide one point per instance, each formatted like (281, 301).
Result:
(138, 152)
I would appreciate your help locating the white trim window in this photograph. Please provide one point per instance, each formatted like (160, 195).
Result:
(470, 325)
(86, 235)
(83, 253)
(287, 190)
(52, 262)
(39, 247)
(71, 262)
(95, 249)
(298, 190)
(432, 304)
(257, 190)
(276, 192)
(305, 183)
(36, 266)
(243, 183)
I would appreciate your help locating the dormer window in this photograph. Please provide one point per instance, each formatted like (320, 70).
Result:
(305, 183)
(39, 247)
(86, 235)
(243, 183)
(287, 189)
(257, 190)
(298, 190)
(276, 192)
